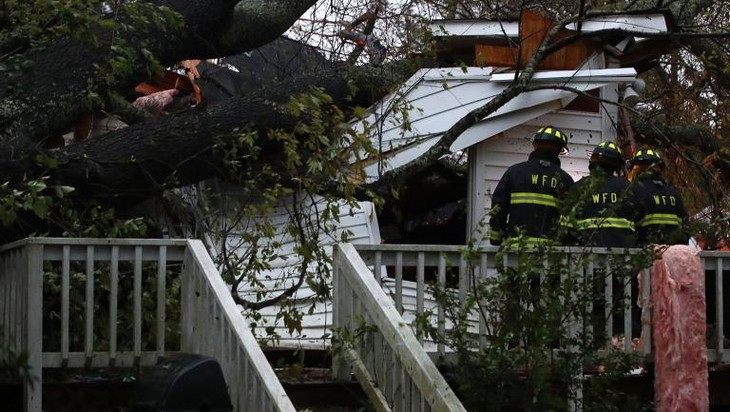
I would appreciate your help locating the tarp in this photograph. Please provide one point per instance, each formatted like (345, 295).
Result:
(678, 327)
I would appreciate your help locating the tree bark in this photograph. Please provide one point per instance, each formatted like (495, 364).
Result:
(54, 90)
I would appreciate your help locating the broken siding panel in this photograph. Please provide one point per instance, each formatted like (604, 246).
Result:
(497, 124)
(644, 23)
(424, 92)
(439, 98)
(519, 110)
(433, 107)
(393, 160)
(534, 27)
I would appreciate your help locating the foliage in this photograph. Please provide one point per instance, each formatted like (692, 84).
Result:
(545, 320)
(14, 366)
(102, 310)
(50, 208)
(314, 155)
(540, 330)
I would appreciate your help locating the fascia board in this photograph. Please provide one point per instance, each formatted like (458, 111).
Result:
(623, 74)
(460, 73)
(475, 28)
(520, 109)
(493, 126)
(538, 97)
(640, 23)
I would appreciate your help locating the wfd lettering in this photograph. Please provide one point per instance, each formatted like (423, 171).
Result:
(543, 180)
(663, 200)
(605, 197)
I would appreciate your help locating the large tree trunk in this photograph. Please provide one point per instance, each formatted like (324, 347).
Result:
(134, 163)
(54, 90)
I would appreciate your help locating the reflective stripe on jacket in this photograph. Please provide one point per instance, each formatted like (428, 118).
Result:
(605, 222)
(660, 212)
(603, 212)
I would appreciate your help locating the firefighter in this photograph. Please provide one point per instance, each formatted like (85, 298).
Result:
(660, 215)
(603, 214)
(526, 197)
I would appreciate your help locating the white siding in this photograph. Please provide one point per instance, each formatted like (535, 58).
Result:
(362, 224)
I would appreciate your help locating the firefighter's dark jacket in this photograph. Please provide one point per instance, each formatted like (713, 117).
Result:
(526, 198)
(660, 214)
(603, 212)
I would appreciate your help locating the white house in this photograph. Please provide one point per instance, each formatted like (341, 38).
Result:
(413, 118)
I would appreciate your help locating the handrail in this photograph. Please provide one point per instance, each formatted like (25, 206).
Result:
(390, 362)
(208, 312)
(411, 296)
(448, 261)
(212, 325)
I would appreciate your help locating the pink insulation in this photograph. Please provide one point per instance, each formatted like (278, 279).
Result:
(678, 328)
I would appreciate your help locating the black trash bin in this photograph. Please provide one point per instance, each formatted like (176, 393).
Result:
(182, 383)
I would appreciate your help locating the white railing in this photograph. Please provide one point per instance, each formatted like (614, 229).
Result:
(715, 271)
(131, 282)
(390, 363)
(402, 271)
(212, 325)
(379, 289)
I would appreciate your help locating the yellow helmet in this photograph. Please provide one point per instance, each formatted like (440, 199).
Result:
(607, 153)
(649, 157)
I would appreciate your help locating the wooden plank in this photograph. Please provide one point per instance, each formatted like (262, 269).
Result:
(113, 303)
(720, 308)
(33, 306)
(161, 299)
(54, 252)
(89, 303)
(55, 241)
(420, 287)
(100, 359)
(499, 55)
(399, 281)
(646, 315)
(534, 28)
(441, 313)
(369, 384)
(137, 301)
(65, 300)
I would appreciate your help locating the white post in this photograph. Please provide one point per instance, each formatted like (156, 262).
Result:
(34, 326)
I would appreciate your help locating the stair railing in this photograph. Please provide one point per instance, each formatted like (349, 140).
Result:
(389, 362)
